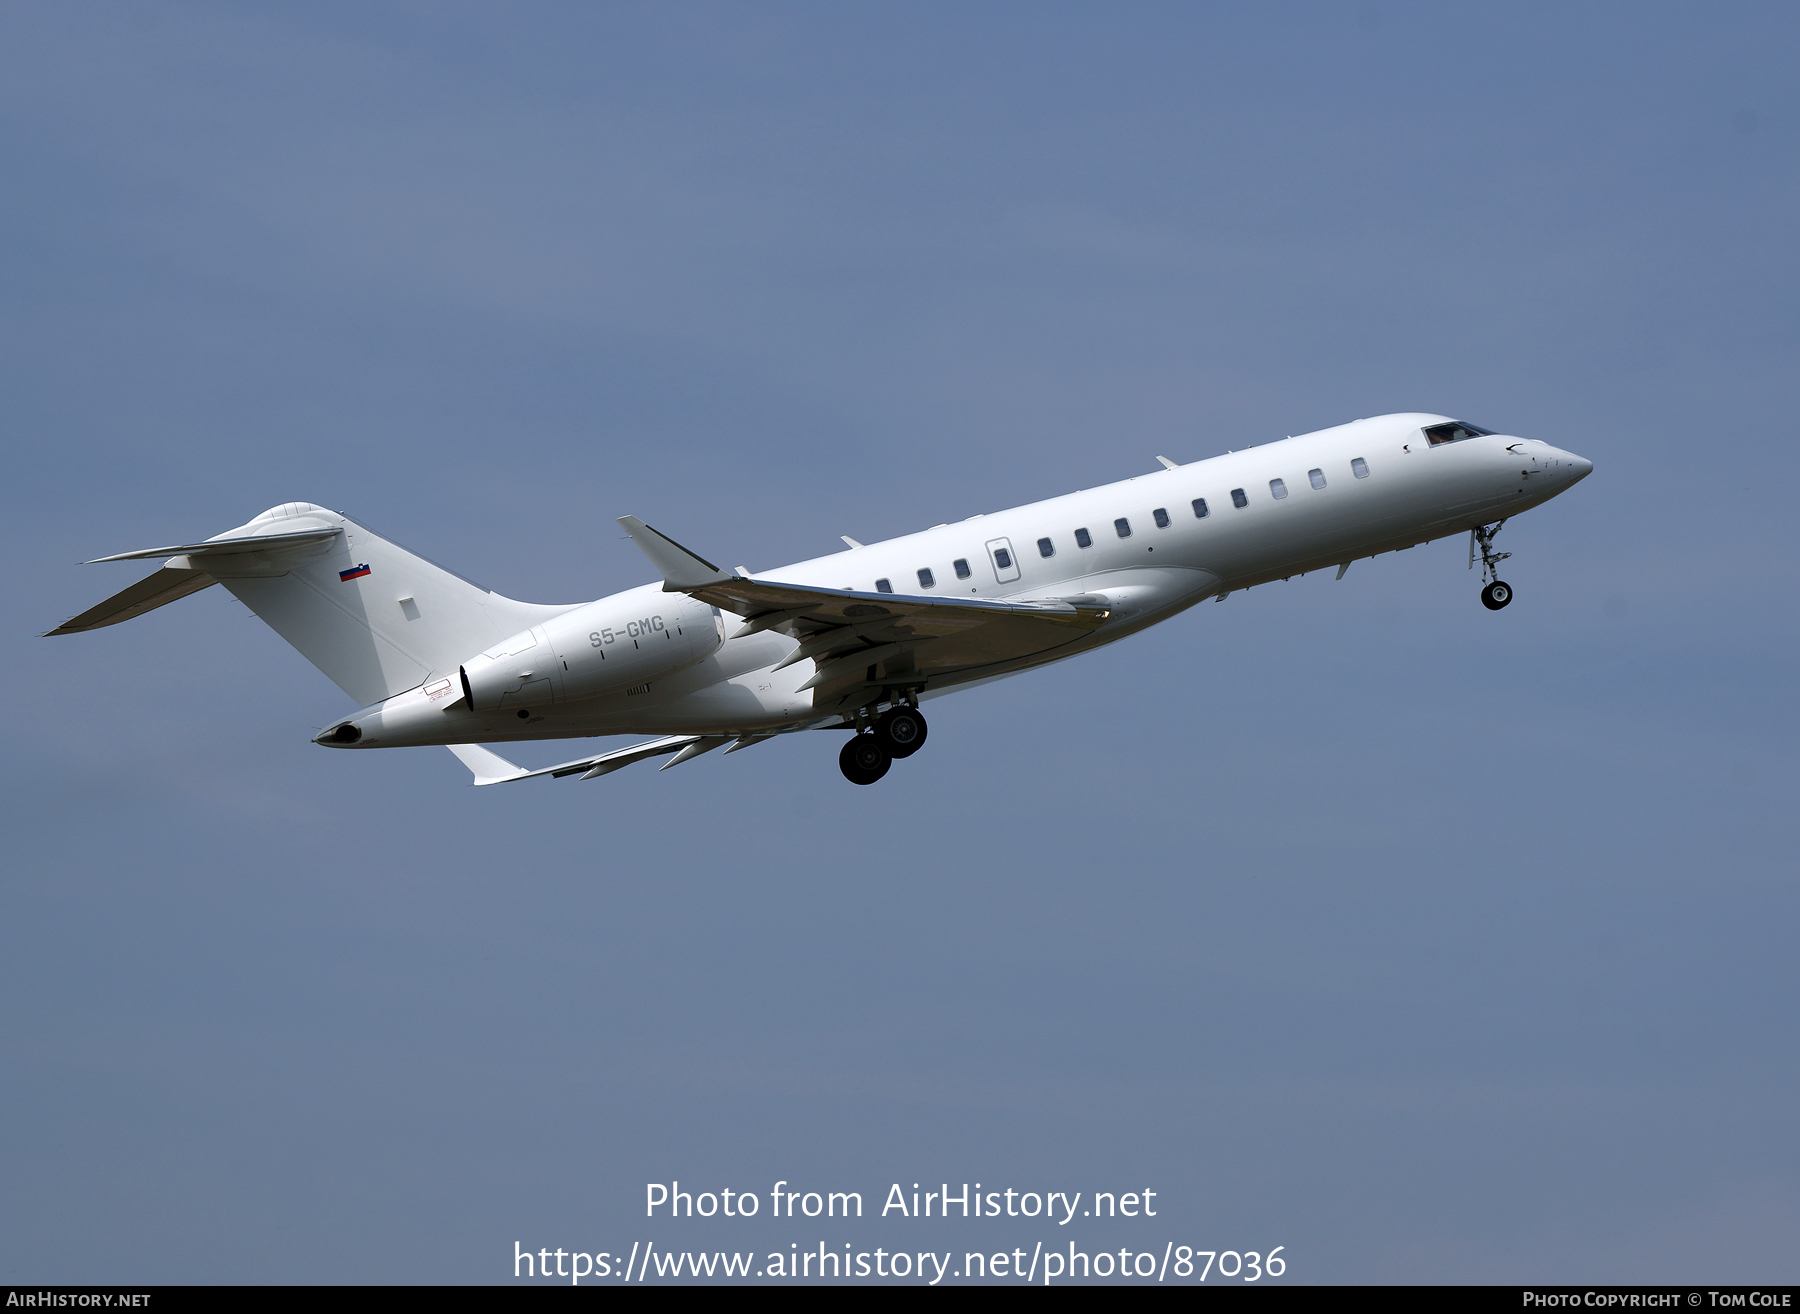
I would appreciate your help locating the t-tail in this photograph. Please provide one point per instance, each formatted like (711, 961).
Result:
(377, 619)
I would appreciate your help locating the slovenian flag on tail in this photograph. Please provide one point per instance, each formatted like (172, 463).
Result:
(355, 572)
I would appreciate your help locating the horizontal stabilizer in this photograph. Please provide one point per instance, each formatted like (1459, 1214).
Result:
(489, 768)
(177, 579)
(681, 570)
(227, 546)
(157, 590)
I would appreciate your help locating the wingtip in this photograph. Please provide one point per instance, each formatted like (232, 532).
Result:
(675, 563)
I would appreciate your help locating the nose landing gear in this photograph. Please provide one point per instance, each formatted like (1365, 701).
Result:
(1496, 593)
(898, 732)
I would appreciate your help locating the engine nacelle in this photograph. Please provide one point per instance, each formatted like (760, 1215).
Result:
(609, 646)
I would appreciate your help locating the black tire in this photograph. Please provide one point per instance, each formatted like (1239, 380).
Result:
(901, 731)
(863, 761)
(1496, 595)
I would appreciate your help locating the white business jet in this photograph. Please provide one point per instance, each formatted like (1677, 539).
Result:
(853, 641)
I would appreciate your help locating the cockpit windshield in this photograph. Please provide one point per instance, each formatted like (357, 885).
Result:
(1438, 434)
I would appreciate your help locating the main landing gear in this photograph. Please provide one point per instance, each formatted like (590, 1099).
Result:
(898, 732)
(1496, 593)
(863, 761)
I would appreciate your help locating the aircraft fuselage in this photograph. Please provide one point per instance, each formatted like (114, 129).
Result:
(1149, 546)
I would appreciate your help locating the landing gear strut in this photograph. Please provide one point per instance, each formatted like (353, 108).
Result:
(1495, 593)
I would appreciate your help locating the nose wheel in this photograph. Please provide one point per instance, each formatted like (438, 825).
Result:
(1495, 593)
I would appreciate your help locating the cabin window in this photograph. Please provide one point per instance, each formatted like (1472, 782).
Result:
(1277, 488)
(1046, 548)
(1122, 527)
(1238, 499)
(926, 579)
(962, 567)
(1359, 468)
(1199, 508)
(1161, 517)
(1317, 477)
(1083, 539)
(884, 586)
(1003, 558)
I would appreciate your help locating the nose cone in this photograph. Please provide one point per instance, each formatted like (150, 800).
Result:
(1565, 469)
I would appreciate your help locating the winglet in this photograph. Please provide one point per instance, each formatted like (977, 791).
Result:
(489, 768)
(681, 570)
(1167, 464)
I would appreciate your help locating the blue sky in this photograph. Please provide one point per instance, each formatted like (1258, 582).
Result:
(1428, 943)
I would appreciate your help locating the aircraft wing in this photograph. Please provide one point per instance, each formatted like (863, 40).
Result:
(489, 768)
(858, 641)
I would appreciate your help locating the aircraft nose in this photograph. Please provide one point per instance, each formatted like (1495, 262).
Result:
(1564, 469)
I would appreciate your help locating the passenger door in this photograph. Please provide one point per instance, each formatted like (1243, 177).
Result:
(1004, 560)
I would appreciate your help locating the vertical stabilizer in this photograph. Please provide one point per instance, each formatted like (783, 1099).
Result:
(377, 619)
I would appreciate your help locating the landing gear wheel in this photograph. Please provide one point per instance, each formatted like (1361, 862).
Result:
(863, 761)
(901, 730)
(1496, 595)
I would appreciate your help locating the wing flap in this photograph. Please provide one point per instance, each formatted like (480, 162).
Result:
(705, 744)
